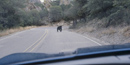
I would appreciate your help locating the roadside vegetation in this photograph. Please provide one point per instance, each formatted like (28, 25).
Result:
(15, 13)
(13, 30)
(107, 20)
(20, 13)
(104, 13)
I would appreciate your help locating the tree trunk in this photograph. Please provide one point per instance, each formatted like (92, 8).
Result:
(108, 24)
(74, 23)
(84, 19)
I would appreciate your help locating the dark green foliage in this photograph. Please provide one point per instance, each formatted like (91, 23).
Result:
(65, 7)
(115, 12)
(55, 13)
(13, 14)
(55, 3)
(8, 16)
(39, 5)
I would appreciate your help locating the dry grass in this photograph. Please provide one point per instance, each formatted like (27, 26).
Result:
(125, 31)
(109, 31)
(89, 29)
(86, 29)
(127, 34)
(13, 30)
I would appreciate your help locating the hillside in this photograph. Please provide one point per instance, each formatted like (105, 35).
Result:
(35, 1)
(33, 6)
(105, 20)
(65, 2)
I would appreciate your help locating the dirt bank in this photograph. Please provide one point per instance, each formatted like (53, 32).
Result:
(111, 35)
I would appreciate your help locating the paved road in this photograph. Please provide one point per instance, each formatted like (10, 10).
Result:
(43, 40)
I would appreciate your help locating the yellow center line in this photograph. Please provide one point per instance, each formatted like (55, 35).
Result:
(35, 42)
(40, 41)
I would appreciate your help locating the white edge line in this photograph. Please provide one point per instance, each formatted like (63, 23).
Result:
(10, 35)
(91, 40)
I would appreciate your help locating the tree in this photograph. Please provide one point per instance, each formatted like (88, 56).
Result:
(14, 14)
(55, 13)
(55, 3)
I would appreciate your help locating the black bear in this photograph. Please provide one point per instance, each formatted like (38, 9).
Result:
(59, 28)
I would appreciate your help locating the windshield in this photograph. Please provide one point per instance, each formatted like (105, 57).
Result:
(65, 27)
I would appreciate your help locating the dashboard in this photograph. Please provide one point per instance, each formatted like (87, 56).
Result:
(110, 57)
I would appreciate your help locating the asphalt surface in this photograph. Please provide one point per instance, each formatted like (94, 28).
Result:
(44, 40)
